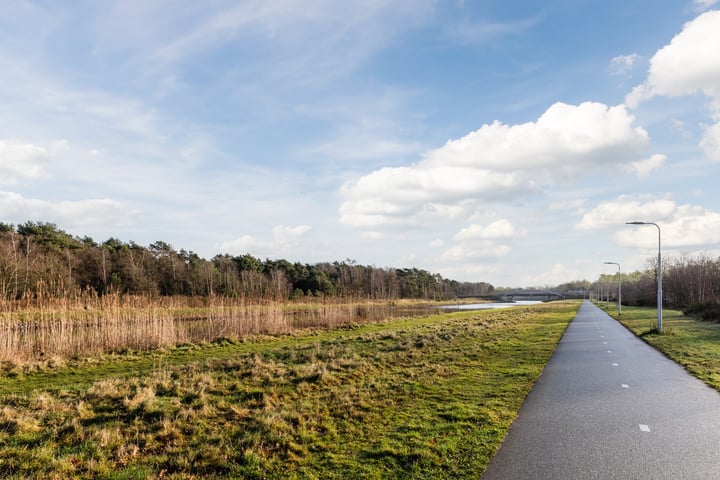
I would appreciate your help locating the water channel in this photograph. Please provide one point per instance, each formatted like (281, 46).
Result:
(490, 306)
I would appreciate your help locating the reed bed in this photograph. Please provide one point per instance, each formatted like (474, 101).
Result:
(89, 325)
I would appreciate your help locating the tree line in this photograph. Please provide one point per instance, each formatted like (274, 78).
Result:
(39, 259)
(687, 282)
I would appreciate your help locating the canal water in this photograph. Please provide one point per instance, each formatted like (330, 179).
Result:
(490, 306)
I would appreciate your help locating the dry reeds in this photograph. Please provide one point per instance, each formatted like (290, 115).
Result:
(88, 324)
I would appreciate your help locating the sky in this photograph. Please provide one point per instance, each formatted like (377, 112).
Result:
(496, 141)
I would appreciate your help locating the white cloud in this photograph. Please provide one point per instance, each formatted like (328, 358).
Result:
(284, 233)
(481, 243)
(287, 237)
(624, 64)
(242, 245)
(565, 140)
(643, 167)
(21, 160)
(689, 64)
(284, 240)
(702, 5)
(500, 229)
(495, 162)
(405, 195)
(681, 225)
(711, 142)
(70, 214)
(465, 253)
(627, 209)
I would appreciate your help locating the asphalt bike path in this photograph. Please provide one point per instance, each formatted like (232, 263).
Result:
(609, 406)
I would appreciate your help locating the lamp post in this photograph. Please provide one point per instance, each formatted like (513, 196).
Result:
(619, 286)
(659, 275)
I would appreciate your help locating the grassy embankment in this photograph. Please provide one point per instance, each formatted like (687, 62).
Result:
(694, 344)
(427, 397)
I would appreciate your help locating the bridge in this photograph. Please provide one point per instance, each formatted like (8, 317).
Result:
(541, 295)
(526, 294)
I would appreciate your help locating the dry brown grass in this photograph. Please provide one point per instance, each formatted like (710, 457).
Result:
(50, 330)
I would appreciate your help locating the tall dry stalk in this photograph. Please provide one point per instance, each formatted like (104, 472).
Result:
(87, 324)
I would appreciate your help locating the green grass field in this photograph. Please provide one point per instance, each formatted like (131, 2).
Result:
(694, 344)
(426, 397)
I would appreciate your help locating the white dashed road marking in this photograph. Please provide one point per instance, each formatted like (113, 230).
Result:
(644, 428)
(625, 385)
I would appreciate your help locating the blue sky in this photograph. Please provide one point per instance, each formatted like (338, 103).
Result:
(505, 142)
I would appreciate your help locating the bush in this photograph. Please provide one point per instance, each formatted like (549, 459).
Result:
(709, 311)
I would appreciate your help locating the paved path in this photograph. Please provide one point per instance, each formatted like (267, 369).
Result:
(608, 406)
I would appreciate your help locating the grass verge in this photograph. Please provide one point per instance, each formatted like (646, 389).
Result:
(694, 344)
(428, 397)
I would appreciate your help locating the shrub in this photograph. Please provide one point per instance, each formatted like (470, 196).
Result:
(709, 311)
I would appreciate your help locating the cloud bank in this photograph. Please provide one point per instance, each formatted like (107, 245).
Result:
(21, 160)
(498, 162)
(284, 240)
(73, 215)
(681, 225)
(688, 65)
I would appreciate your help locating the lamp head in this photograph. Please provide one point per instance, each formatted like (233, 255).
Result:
(635, 223)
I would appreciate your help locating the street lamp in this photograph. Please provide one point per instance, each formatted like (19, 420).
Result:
(619, 286)
(659, 275)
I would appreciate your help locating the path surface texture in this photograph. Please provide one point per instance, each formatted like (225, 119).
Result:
(608, 406)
